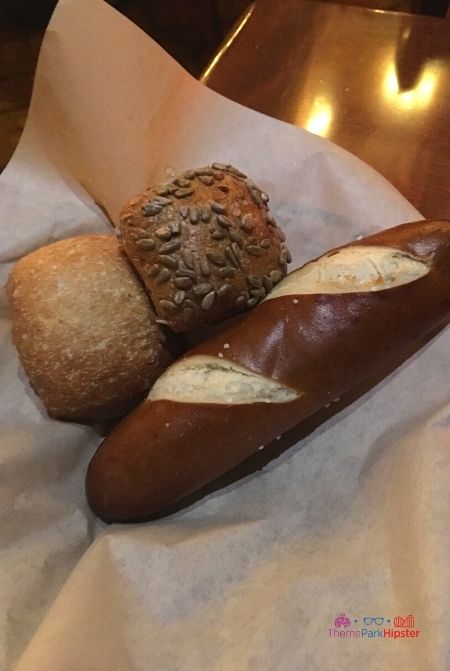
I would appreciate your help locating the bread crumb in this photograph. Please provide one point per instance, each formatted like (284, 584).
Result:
(295, 301)
(167, 425)
(226, 345)
(220, 355)
(261, 447)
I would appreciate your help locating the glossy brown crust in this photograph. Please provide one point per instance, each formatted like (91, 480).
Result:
(322, 346)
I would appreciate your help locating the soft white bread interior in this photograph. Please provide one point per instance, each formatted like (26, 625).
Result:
(350, 269)
(210, 379)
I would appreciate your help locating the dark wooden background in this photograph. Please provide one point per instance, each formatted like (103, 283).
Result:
(190, 30)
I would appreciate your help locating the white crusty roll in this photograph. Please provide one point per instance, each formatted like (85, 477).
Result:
(324, 329)
(84, 328)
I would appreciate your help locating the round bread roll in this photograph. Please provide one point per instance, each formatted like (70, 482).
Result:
(205, 245)
(84, 328)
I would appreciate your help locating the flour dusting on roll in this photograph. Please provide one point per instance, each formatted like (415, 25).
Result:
(84, 328)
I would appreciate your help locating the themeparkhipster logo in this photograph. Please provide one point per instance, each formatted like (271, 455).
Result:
(369, 626)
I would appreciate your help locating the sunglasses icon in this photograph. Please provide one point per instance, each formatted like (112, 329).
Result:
(373, 620)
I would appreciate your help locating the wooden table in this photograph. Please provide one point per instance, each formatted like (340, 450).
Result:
(376, 83)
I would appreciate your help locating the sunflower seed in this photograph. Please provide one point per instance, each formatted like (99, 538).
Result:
(258, 293)
(254, 281)
(282, 258)
(153, 270)
(167, 306)
(268, 284)
(179, 297)
(182, 193)
(240, 301)
(283, 267)
(205, 213)
(227, 271)
(218, 235)
(162, 191)
(164, 322)
(183, 183)
(184, 211)
(223, 187)
(237, 252)
(163, 275)
(271, 221)
(169, 247)
(208, 300)
(231, 257)
(247, 222)
(235, 171)
(223, 221)
(185, 272)
(201, 289)
(288, 255)
(252, 302)
(217, 258)
(145, 243)
(281, 235)
(189, 174)
(183, 282)
(219, 166)
(160, 200)
(256, 197)
(168, 262)
(194, 215)
(188, 303)
(151, 209)
(218, 208)
(254, 250)
(275, 276)
(223, 290)
(208, 180)
(204, 267)
(204, 171)
(234, 235)
(188, 314)
(188, 257)
(175, 228)
(265, 242)
(163, 233)
(264, 196)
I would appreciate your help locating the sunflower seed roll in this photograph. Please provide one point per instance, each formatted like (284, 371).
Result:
(205, 245)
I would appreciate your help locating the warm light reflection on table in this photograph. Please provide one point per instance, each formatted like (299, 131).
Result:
(419, 96)
(320, 117)
(375, 83)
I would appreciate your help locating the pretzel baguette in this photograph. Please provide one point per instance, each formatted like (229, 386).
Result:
(324, 329)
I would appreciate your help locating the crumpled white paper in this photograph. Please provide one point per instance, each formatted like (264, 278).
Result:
(353, 519)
